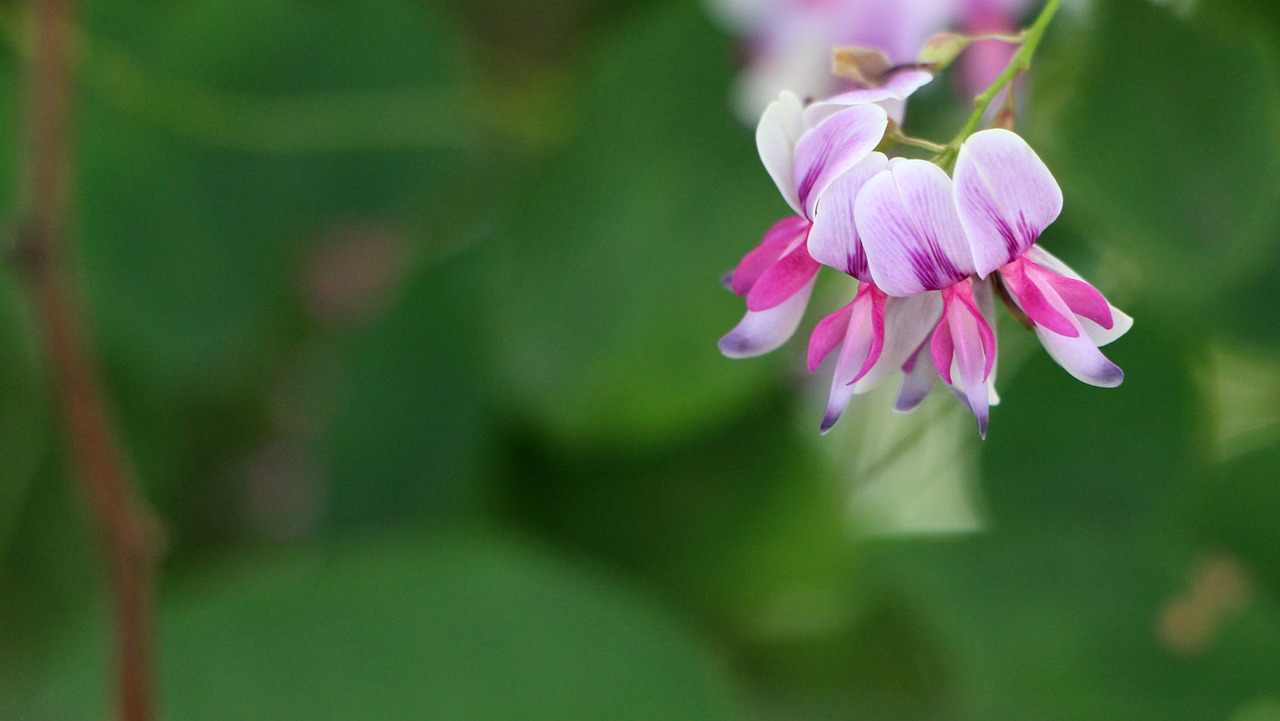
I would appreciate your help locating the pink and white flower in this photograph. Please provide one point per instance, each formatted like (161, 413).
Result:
(929, 252)
(789, 42)
(924, 233)
(1006, 197)
(805, 159)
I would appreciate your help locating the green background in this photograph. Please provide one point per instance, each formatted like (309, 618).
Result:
(410, 311)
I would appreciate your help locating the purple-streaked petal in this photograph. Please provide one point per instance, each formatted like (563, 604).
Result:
(1006, 197)
(907, 323)
(899, 86)
(827, 334)
(919, 377)
(783, 279)
(834, 147)
(778, 241)
(833, 241)
(1120, 322)
(760, 332)
(906, 218)
(780, 128)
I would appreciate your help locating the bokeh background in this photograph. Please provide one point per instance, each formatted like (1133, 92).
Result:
(410, 312)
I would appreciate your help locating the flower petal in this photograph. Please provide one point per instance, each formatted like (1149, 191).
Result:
(783, 279)
(1024, 284)
(834, 241)
(899, 86)
(834, 147)
(863, 342)
(760, 332)
(777, 241)
(919, 377)
(827, 334)
(907, 221)
(1120, 322)
(780, 128)
(1006, 197)
(1081, 358)
(907, 323)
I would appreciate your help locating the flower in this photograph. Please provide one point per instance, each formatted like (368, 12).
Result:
(924, 233)
(915, 244)
(930, 253)
(1006, 197)
(789, 42)
(805, 157)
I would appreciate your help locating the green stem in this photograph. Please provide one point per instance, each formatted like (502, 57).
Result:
(1019, 63)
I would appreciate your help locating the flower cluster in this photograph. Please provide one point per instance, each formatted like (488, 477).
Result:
(788, 42)
(930, 252)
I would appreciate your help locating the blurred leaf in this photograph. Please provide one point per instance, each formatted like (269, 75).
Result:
(1055, 612)
(1235, 507)
(409, 428)
(186, 244)
(1165, 136)
(448, 630)
(743, 525)
(609, 301)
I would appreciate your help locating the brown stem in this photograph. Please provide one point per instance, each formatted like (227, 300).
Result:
(128, 532)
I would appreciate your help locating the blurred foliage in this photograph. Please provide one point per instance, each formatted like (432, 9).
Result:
(410, 309)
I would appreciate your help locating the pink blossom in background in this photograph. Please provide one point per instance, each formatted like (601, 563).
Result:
(789, 42)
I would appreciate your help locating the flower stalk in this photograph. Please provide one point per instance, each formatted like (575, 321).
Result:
(1019, 63)
(127, 530)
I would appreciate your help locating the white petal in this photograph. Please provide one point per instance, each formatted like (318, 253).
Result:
(899, 87)
(762, 331)
(1081, 358)
(906, 218)
(834, 147)
(780, 128)
(1006, 197)
(833, 240)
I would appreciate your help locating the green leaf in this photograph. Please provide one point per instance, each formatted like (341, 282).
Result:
(449, 630)
(1165, 135)
(609, 305)
(219, 137)
(409, 431)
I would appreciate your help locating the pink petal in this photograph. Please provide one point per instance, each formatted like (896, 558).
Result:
(1081, 298)
(777, 241)
(1006, 197)
(1121, 322)
(863, 342)
(780, 128)
(828, 334)
(1024, 285)
(907, 322)
(832, 148)
(964, 349)
(908, 225)
(782, 280)
(834, 241)
(760, 332)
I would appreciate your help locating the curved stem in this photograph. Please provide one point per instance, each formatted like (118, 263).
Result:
(127, 530)
(1020, 61)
